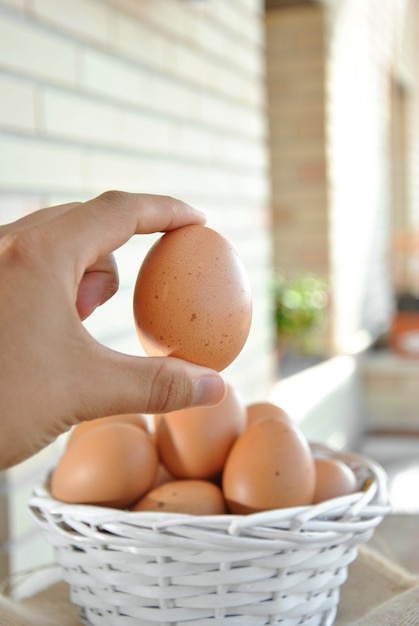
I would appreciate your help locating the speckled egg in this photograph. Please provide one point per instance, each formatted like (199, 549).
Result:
(192, 298)
(193, 497)
(270, 466)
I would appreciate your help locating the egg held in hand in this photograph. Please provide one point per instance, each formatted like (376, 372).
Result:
(192, 298)
(112, 465)
(270, 466)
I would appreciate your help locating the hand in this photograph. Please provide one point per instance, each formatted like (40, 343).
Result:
(99, 282)
(56, 266)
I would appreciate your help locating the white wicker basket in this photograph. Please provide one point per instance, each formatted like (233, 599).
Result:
(278, 567)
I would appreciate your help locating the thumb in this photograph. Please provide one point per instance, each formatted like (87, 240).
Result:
(118, 383)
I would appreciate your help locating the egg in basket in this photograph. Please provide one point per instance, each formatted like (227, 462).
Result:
(265, 539)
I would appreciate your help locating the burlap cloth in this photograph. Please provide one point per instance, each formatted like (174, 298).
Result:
(377, 593)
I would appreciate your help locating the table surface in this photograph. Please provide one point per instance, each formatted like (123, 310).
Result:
(397, 538)
(383, 582)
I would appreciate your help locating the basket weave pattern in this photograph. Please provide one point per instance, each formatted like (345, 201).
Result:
(278, 567)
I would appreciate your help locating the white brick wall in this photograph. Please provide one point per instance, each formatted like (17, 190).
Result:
(88, 19)
(161, 97)
(28, 165)
(17, 111)
(31, 50)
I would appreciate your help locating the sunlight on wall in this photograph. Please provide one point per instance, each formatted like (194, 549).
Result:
(329, 410)
(403, 490)
(358, 161)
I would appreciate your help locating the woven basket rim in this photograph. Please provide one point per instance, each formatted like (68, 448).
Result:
(282, 566)
(366, 506)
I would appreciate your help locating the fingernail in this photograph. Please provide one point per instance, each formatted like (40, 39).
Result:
(209, 390)
(198, 212)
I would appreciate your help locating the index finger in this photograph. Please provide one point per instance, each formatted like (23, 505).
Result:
(99, 226)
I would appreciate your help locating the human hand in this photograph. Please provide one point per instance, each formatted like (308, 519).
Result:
(56, 266)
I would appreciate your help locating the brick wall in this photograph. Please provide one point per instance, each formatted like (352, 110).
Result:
(409, 70)
(296, 88)
(162, 97)
(330, 70)
(407, 75)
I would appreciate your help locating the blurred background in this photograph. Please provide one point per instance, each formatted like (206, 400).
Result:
(295, 127)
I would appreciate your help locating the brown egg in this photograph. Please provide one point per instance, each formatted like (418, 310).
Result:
(262, 410)
(195, 497)
(111, 465)
(195, 442)
(162, 476)
(192, 298)
(155, 426)
(270, 466)
(131, 418)
(333, 479)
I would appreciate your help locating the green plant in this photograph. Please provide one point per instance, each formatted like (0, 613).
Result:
(300, 303)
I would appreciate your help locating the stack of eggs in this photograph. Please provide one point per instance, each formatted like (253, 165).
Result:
(225, 459)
